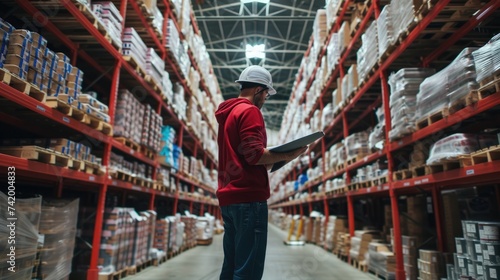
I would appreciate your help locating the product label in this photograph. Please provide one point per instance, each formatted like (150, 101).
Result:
(478, 248)
(493, 273)
(491, 250)
(407, 184)
(469, 172)
(470, 267)
(461, 263)
(471, 228)
(479, 270)
(459, 249)
(65, 119)
(485, 255)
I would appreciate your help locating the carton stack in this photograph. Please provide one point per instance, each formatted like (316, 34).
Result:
(134, 47)
(129, 116)
(410, 256)
(360, 243)
(404, 86)
(385, 29)
(340, 227)
(150, 217)
(381, 260)
(18, 53)
(368, 52)
(151, 129)
(430, 265)
(162, 234)
(356, 145)
(58, 225)
(172, 41)
(349, 83)
(155, 66)
(320, 30)
(416, 217)
(5, 30)
(92, 106)
(111, 236)
(109, 15)
(26, 233)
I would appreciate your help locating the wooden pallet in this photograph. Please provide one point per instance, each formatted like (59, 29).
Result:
(433, 118)
(379, 181)
(129, 143)
(353, 160)
(361, 265)
(84, 9)
(444, 165)
(383, 275)
(463, 102)
(204, 241)
(157, 262)
(31, 153)
(93, 168)
(148, 152)
(489, 88)
(61, 106)
(138, 69)
(401, 175)
(418, 171)
(114, 275)
(98, 124)
(486, 155)
(156, 87)
(21, 85)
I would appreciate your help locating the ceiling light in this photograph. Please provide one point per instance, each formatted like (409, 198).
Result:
(257, 51)
(260, 1)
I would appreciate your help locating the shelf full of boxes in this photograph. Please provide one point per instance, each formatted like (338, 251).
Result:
(112, 101)
(394, 143)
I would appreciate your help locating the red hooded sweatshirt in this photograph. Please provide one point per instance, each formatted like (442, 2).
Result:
(242, 139)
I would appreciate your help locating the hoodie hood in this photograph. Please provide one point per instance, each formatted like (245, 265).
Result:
(227, 106)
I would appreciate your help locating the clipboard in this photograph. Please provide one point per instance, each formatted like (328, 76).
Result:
(293, 145)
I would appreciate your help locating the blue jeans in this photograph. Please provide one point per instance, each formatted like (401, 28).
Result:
(245, 241)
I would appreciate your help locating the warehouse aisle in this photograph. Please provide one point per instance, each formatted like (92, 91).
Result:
(307, 262)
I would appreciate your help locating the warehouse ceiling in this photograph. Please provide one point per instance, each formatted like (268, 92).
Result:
(283, 27)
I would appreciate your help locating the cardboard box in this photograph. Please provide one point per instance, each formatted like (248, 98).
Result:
(430, 256)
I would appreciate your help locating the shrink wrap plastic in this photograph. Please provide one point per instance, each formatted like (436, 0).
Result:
(404, 86)
(487, 59)
(26, 233)
(385, 29)
(459, 144)
(58, 225)
(444, 88)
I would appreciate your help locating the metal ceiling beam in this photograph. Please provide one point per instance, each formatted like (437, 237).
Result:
(266, 66)
(253, 18)
(267, 51)
(246, 36)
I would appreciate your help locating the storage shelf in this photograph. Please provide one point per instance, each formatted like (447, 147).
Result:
(33, 169)
(470, 111)
(25, 101)
(131, 152)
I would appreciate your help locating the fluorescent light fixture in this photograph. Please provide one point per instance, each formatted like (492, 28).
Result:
(257, 51)
(260, 1)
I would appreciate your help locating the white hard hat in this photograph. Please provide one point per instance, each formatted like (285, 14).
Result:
(259, 75)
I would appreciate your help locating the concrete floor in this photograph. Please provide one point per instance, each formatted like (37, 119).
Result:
(308, 262)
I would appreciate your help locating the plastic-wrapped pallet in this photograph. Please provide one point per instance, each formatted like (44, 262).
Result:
(459, 144)
(134, 47)
(487, 59)
(21, 260)
(155, 66)
(385, 29)
(360, 242)
(403, 12)
(368, 53)
(381, 260)
(356, 145)
(404, 86)
(111, 18)
(459, 79)
(185, 17)
(58, 226)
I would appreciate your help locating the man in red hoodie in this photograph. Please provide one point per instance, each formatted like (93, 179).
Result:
(243, 187)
